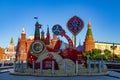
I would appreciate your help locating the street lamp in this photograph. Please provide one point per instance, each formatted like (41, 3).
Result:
(113, 47)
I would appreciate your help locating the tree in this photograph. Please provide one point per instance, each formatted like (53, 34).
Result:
(86, 54)
(117, 57)
(107, 54)
(94, 54)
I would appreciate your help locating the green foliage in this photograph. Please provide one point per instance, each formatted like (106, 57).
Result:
(107, 54)
(116, 57)
(94, 54)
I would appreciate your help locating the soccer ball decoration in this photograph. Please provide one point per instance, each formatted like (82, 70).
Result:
(57, 29)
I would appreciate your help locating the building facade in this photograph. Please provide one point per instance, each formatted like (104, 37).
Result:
(107, 45)
(2, 52)
(10, 52)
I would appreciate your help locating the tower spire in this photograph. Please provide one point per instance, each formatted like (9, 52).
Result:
(47, 29)
(89, 24)
(23, 34)
(23, 30)
(37, 32)
(42, 35)
(89, 31)
(11, 41)
(47, 40)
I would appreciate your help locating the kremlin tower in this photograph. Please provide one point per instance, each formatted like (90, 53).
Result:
(89, 43)
(22, 46)
(47, 40)
(37, 32)
(42, 36)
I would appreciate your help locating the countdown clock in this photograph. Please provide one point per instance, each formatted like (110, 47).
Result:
(37, 47)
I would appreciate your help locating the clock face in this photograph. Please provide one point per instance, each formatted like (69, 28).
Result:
(37, 47)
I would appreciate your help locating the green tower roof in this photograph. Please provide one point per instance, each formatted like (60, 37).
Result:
(47, 30)
(89, 31)
(37, 32)
(37, 23)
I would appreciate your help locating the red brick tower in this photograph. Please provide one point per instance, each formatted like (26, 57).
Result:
(23, 46)
(42, 36)
(89, 43)
(47, 39)
(54, 40)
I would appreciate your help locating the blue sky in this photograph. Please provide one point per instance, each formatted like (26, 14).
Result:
(104, 16)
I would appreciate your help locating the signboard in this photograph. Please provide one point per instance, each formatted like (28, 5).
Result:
(75, 25)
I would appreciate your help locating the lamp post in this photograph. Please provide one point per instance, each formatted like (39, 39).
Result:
(113, 47)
